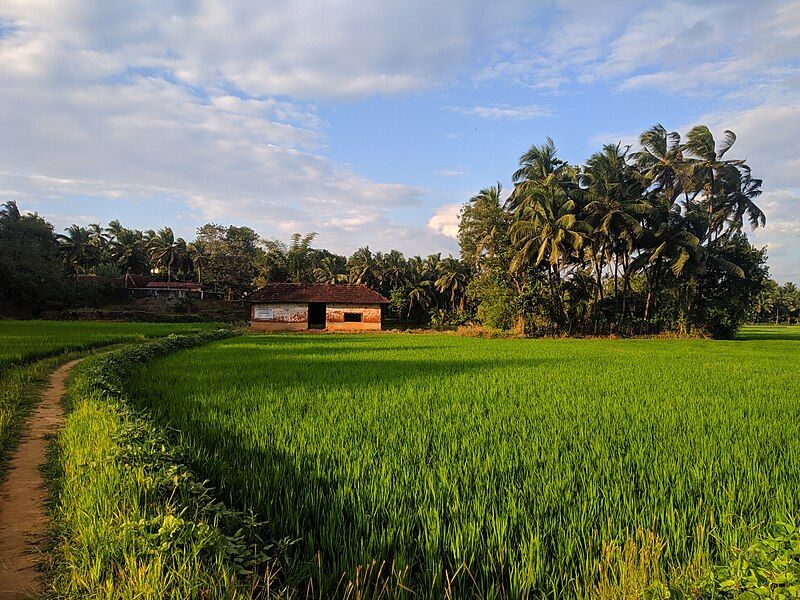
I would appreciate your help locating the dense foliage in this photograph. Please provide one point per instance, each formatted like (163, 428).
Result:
(630, 242)
(29, 259)
(486, 467)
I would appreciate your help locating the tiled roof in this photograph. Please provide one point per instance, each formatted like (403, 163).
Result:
(136, 281)
(174, 285)
(317, 292)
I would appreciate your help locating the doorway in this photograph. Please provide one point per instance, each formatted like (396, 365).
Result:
(316, 315)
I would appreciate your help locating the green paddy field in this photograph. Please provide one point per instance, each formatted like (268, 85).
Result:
(26, 341)
(489, 467)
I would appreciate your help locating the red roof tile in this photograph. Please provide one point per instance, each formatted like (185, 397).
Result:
(136, 281)
(317, 292)
(174, 285)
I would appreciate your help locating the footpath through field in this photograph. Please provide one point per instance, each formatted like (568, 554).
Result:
(22, 496)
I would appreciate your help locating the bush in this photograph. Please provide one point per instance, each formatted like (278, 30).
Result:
(768, 568)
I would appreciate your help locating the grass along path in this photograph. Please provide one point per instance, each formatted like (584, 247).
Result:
(22, 495)
(130, 520)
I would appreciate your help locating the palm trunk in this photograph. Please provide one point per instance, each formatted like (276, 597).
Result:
(625, 283)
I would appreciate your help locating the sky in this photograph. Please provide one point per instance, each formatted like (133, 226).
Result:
(371, 123)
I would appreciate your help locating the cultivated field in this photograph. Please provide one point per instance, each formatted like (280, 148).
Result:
(24, 341)
(490, 466)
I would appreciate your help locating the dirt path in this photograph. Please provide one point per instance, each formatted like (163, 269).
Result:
(22, 496)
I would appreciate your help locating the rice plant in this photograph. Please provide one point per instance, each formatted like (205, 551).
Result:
(456, 467)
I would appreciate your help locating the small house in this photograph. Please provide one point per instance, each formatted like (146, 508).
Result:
(299, 307)
(140, 286)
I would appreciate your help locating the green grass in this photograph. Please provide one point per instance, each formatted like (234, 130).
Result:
(769, 332)
(29, 352)
(129, 519)
(489, 468)
(25, 341)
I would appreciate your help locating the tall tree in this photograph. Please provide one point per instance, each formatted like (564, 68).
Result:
(483, 227)
(166, 251)
(78, 252)
(453, 280)
(364, 269)
(129, 252)
(30, 270)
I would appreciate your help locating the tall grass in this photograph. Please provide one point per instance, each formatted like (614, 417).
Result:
(25, 341)
(488, 468)
(131, 520)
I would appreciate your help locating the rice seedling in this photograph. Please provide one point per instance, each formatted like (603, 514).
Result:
(457, 467)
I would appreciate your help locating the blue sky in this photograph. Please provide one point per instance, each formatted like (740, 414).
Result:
(371, 123)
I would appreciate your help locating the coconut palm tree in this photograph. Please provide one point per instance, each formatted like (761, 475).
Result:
(298, 256)
(198, 253)
(113, 229)
(661, 162)
(394, 271)
(741, 191)
(546, 229)
(453, 281)
(128, 251)
(614, 207)
(77, 249)
(10, 212)
(418, 291)
(328, 271)
(363, 269)
(166, 251)
(97, 236)
(483, 228)
(664, 244)
(538, 164)
(708, 171)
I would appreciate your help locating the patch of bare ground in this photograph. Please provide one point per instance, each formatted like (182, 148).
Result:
(22, 496)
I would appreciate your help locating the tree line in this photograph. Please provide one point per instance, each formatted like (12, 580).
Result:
(87, 265)
(630, 242)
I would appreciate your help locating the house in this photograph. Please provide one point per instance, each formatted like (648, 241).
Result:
(141, 286)
(298, 307)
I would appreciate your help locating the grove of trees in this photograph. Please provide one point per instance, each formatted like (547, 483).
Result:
(631, 242)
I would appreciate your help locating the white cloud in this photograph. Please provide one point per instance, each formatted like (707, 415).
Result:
(303, 49)
(503, 111)
(445, 220)
(210, 106)
(459, 171)
(176, 105)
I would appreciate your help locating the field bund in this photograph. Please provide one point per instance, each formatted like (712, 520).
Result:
(489, 467)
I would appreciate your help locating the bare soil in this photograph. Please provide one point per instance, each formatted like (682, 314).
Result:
(23, 516)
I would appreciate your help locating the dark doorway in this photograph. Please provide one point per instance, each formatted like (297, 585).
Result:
(316, 315)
